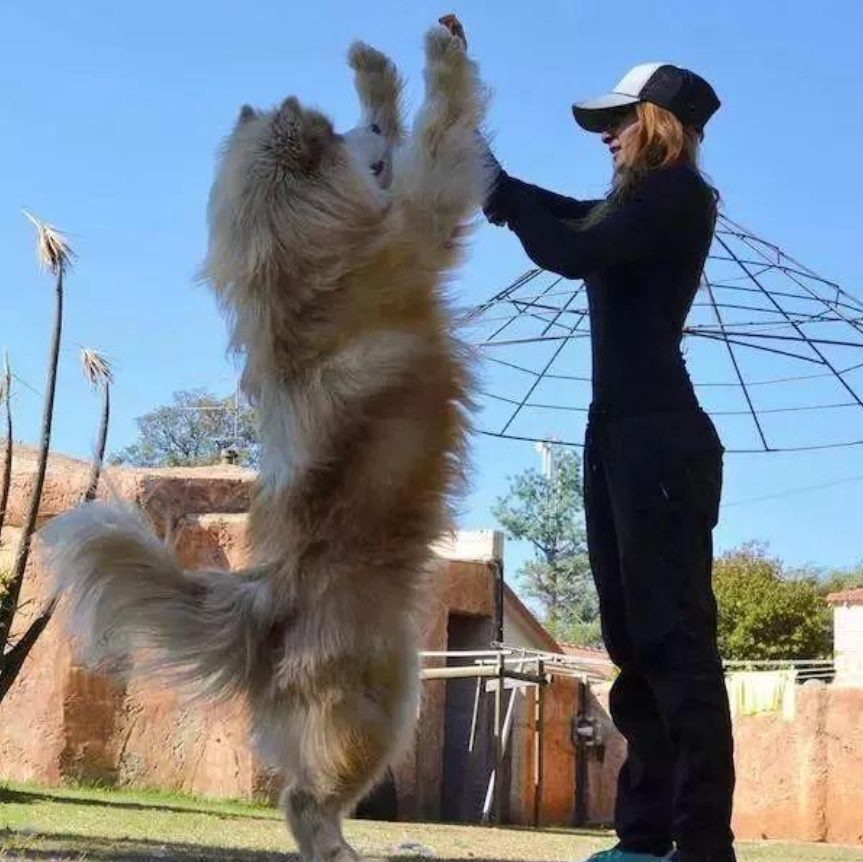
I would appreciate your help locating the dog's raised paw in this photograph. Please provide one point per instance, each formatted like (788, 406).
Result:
(439, 42)
(364, 58)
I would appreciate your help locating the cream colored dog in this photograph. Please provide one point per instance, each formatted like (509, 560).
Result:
(328, 253)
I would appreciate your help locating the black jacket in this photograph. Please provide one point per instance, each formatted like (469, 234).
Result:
(641, 264)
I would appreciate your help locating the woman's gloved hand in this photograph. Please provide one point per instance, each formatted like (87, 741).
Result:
(495, 206)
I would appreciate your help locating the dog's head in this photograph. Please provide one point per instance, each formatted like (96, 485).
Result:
(286, 182)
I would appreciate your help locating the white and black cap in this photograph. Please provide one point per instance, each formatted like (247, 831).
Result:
(686, 95)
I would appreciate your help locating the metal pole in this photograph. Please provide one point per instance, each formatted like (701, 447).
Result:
(581, 771)
(475, 717)
(538, 753)
(499, 593)
(498, 740)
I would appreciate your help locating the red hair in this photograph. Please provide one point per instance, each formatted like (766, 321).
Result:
(658, 140)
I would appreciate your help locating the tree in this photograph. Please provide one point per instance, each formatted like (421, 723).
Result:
(56, 256)
(842, 580)
(545, 509)
(764, 613)
(191, 432)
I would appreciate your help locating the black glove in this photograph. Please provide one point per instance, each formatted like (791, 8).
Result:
(492, 206)
(501, 200)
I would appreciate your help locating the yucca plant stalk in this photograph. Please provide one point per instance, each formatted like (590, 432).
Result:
(97, 371)
(55, 255)
(6, 479)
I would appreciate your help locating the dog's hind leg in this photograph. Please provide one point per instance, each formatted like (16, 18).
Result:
(339, 746)
(316, 825)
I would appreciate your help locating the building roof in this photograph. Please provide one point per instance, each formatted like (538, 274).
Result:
(848, 597)
(595, 659)
(517, 607)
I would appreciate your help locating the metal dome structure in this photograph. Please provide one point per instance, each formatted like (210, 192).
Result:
(775, 352)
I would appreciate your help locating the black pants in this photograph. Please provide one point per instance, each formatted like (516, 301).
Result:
(652, 490)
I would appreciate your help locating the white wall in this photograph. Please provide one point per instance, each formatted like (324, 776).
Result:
(848, 643)
(517, 634)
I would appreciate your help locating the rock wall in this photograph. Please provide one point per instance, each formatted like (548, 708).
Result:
(61, 722)
(797, 779)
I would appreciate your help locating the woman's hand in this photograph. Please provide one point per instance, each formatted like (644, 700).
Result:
(455, 27)
(502, 200)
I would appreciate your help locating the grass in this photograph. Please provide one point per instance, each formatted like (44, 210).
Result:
(102, 825)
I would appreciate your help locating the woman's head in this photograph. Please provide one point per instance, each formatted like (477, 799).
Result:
(654, 116)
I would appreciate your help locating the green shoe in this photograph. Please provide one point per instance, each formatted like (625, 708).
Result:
(618, 855)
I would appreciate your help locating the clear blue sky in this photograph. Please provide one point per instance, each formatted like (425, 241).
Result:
(112, 111)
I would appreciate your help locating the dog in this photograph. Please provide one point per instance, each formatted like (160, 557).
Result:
(329, 253)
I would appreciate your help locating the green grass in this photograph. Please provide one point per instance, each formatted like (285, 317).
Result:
(102, 825)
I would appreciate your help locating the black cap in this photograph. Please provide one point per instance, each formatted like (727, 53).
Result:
(686, 95)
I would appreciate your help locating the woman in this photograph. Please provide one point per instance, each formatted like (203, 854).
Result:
(653, 461)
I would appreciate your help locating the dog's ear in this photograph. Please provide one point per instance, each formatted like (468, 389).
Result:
(301, 136)
(247, 113)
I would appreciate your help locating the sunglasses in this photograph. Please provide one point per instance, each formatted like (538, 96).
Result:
(616, 118)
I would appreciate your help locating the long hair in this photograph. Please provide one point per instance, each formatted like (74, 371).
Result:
(658, 140)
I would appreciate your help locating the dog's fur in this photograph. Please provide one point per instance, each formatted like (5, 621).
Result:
(328, 253)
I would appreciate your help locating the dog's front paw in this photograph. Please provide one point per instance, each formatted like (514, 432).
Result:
(364, 58)
(440, 42)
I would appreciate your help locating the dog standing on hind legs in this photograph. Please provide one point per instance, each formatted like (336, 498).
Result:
(327, 253)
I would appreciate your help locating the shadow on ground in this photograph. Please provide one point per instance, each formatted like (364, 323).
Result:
(28, 797)
(58, 847)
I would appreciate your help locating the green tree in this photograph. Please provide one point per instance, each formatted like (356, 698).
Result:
(545, 509)
(764, 613)
(191, 431)
(841, 580)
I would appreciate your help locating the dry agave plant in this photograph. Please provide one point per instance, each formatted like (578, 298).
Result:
(97, 369)
(52, 247)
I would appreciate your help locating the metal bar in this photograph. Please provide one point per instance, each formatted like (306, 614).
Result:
(581, 771)
(539, 753)
(467, 672)
(775, 351)
(502, 295)
(494, 790)
(835, 304)
(815, 447)
(812, 346)
(544, 370)
(491, 805)
(498, 738)
(521, 311)
(737, 370)
(475, 716)
(499, 595)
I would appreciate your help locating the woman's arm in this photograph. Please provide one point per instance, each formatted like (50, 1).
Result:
(560, 206)
(507, 190)
(666, 200)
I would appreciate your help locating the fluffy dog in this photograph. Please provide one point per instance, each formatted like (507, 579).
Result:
(328, 254)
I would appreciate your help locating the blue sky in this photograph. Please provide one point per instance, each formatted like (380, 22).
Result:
(112, 112)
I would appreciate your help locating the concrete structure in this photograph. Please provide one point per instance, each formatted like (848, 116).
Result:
(848, 636)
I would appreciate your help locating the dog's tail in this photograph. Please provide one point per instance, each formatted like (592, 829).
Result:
(130, 606)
